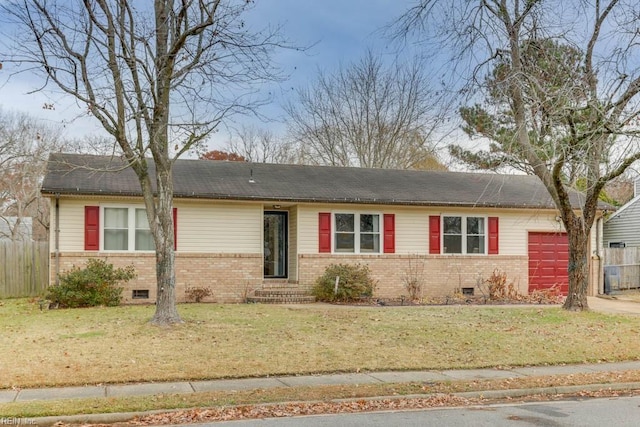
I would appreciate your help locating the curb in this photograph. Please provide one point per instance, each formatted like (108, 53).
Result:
(120, 417)
(498, 394)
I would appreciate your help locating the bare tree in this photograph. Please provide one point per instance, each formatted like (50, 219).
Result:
(368, 115)
(222, 155)
(159, 76)
(262, 146)
(25, 143)
(588, 118)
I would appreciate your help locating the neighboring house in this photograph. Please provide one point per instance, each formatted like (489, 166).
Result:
(622, 228)
(240, 225)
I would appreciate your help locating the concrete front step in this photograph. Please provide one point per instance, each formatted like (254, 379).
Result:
(281, 293)
(282, 300)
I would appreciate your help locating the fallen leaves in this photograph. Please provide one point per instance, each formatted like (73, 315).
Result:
(293, 409)
(297, 409)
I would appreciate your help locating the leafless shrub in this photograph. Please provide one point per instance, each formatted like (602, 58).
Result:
(413, 277)
(198, 293)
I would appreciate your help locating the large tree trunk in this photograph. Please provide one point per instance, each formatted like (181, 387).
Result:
(578, 267)
(166, 310)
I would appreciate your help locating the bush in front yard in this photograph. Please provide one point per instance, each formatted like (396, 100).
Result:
(355, 283)
(94, 285)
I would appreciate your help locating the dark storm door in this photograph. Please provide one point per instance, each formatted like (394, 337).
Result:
(275, 244)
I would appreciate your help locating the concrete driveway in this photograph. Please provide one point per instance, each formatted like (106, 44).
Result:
(614, 305)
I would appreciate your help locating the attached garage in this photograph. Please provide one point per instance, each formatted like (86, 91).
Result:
(548, 261)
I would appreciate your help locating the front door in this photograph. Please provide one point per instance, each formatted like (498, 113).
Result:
(275, 244)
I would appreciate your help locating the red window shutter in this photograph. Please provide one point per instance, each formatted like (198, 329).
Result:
(91, 228)
(175, 229)
(434, 234)
(493, 235)
(324, 232)
(389, 233)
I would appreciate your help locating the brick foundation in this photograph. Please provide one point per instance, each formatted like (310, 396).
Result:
(229, 276)
(232, 277)
(443, 275)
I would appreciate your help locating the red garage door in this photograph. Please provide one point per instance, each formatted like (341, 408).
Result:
(548, 261)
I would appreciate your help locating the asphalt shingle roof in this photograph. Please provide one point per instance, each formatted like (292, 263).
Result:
(81, 174)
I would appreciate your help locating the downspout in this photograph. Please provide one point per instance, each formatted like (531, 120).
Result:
(599, 246)
(56, 232)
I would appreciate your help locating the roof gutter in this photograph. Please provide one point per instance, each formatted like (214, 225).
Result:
(303, 199)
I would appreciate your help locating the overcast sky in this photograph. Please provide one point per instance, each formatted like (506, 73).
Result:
(339, 31)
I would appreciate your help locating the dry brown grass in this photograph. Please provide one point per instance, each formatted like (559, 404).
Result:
(115, 345)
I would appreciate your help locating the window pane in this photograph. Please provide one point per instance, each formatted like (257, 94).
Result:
(452, 225)
(141, 219)
(369, 223)
(116, 240)
(369, 242)
(475, 244)
(116, 233)
(345, 222)
(144, 241)
(345, 242)
(116, 217)
(475, 225)
(452, 244)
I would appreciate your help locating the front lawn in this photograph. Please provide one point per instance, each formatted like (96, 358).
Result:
(113, 345)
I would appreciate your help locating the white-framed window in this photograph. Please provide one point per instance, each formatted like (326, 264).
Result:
(356, 232)
(126, 229)
(464, 234)
(144, 239)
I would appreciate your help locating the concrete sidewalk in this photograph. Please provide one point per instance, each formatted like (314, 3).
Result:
(614, 304)
(7, 396)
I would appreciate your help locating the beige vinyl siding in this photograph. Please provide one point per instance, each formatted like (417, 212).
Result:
(308, 228)
(412, 230)
(71, 238)
(236, 227)
(596, 231)
(219, 227)
(293, 243)
(203, 227)
(516, 225)
(412, 225)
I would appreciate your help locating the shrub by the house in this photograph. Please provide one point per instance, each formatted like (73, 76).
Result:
(94, 285)
(354, 283)
(197, 293)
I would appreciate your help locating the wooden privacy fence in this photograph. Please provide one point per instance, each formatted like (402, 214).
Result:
(24, 268)
(621, 269)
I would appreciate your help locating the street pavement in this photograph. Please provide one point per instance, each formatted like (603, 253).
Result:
(618, 411)
(607, 305)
